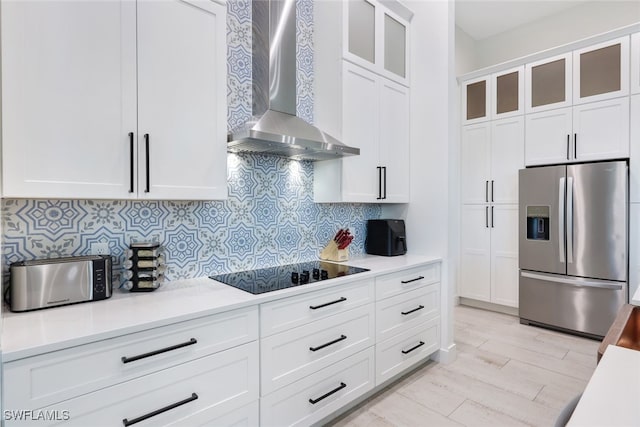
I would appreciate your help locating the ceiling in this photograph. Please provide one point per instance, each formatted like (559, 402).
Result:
(485, 18)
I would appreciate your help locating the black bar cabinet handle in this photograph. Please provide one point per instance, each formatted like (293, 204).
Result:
(324, 396)
(146, 144)
(127, 422)
(131, 162)
(379, 182)
(486, 191)
(486, 216)
(492, 217)
(420, 307)
(575, 145)
(568, 138)
(413, 348)
(192, 341)
(315, 307)
(320, 347)
(412, 280)
(385, 182)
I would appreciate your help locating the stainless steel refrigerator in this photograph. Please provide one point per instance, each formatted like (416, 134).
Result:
(573, 247)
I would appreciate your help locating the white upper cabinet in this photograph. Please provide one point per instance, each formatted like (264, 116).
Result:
(601, 130)
(182, 100)
(68, 99)
(601, 71)
(548, 83)
(82, 96)
(476, 100)
(376, 37)
(507, 99)
(634, 136)
(548, 137)
(507, 157)
(635, 63)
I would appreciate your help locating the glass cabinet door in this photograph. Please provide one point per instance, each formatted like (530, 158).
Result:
(548, 83)
(362, 29)
(395, 45)
(475, 100)
(601, 71)
(508, 93)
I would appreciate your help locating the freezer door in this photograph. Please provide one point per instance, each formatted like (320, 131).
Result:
(587, 306)
(597, 210)
(541, 223)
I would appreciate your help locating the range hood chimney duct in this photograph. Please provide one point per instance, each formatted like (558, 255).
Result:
(274, 128)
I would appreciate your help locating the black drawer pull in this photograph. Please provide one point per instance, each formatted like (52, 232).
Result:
(131, 166)
(412, 280)
(420, 307)
(320, 347)
(146, 145)
(315, 307)
(192, 341)
(324, 396)
(127, 422)
(413, 348)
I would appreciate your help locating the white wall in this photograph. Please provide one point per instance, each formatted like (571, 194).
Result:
(579, 22)
(466, 55)
(432, 81)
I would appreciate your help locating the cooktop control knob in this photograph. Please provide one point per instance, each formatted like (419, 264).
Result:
(324, 274)
(294, 277)
(304, 277)
(316, 273)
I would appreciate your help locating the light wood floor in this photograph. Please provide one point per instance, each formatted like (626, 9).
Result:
(506, 374)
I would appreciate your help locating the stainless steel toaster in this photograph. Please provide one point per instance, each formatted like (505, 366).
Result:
(59, 281)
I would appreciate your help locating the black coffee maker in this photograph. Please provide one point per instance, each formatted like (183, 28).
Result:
(386, 237)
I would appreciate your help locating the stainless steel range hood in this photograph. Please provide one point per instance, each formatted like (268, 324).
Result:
(274, 128)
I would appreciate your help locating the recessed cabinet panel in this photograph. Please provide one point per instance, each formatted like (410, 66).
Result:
(635, 63)
(475, 252)
(395, 43)
(504, 255)
(548, 83)
(634, 182)
(362, 29)
(601, 71)
(476, 164)
(601, 130)
(507, 96)
(476, 100)
(548, 137)
(507, 157)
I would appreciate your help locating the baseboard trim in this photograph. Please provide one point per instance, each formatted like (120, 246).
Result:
(445, 355)
(490, 306)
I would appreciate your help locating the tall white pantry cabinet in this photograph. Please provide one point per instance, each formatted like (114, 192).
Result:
(572, 106)
(116, 99)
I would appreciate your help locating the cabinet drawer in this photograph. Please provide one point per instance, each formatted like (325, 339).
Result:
(207, 388)
(401, 312)
(291, 355)
(397, 283)
(288, 313)
(397, 354)
(291, 405)
(42, 380)
(246, 416)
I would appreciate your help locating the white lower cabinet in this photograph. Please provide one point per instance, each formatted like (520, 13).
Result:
(318, 395)
(173, 396)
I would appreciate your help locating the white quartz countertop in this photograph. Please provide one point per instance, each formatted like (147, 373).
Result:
(30, 333)
(612, 395)
(635, 299)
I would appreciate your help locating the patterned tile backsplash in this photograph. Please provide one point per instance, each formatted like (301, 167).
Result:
(269, 218)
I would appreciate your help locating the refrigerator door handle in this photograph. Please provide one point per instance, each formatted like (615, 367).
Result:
(561, 191)
(578, 282)
(569, 220)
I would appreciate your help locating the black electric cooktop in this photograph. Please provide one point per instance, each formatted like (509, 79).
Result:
(285, 276)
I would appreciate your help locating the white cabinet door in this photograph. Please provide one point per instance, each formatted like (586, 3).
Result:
(476, 163)
(475, 253)
(507, 93)
(476, 100)
(68, 98)
(634, 137)
(507, 157)
(504, 255)
(394, 141)
(601, 71)
(360, 129)
(181, 89)
(635, 63)
(548, 137)
(548, 84)
(634, 248)
(601, 130)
